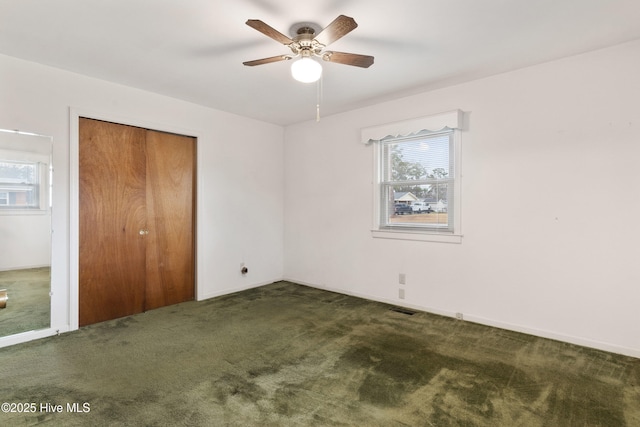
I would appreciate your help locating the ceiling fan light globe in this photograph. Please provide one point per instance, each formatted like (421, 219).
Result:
(306, 70)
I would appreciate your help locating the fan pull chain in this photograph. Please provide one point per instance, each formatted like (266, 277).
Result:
(318, 98)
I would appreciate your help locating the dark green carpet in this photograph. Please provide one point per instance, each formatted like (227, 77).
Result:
(29, 304)
(290, 355)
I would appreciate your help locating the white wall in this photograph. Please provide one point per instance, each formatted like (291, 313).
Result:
(239, 159)
(539, 255)
(25, 241)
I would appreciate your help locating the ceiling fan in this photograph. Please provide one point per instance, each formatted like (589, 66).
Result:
(306, 44)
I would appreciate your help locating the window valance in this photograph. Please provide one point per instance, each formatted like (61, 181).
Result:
(434, 123)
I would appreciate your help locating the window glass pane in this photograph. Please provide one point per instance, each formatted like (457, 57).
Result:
(419, 158)
(407, 208)
(18, 172)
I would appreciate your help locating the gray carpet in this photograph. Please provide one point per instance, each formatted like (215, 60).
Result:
(29, 305)
(289, 355)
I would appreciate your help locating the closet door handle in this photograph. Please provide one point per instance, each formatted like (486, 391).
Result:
(143, 232)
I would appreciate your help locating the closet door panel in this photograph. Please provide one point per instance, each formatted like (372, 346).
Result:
(112, 193)
(170, 219)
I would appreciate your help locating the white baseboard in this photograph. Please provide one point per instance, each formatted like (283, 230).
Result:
(227, 291)
(584, 342)
(24, 267)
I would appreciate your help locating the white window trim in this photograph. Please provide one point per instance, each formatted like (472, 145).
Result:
(452, 120)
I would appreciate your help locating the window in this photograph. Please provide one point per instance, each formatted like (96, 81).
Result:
(20, 184)
(417, 182)
(417, 190)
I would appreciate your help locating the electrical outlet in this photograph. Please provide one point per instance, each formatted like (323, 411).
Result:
(459, 316)
(402, 279)
(401, 293)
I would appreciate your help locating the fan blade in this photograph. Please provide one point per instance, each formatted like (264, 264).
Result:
(340, 26)
(268, 31)
(363, 61)
(267, 60)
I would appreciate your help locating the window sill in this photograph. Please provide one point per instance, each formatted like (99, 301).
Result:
(416, 236)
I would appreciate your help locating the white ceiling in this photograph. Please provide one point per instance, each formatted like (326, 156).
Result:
(194, 49)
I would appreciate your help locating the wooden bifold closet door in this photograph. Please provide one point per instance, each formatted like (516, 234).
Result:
(137, 225)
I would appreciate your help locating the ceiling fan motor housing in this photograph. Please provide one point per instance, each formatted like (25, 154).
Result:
(304, 43)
